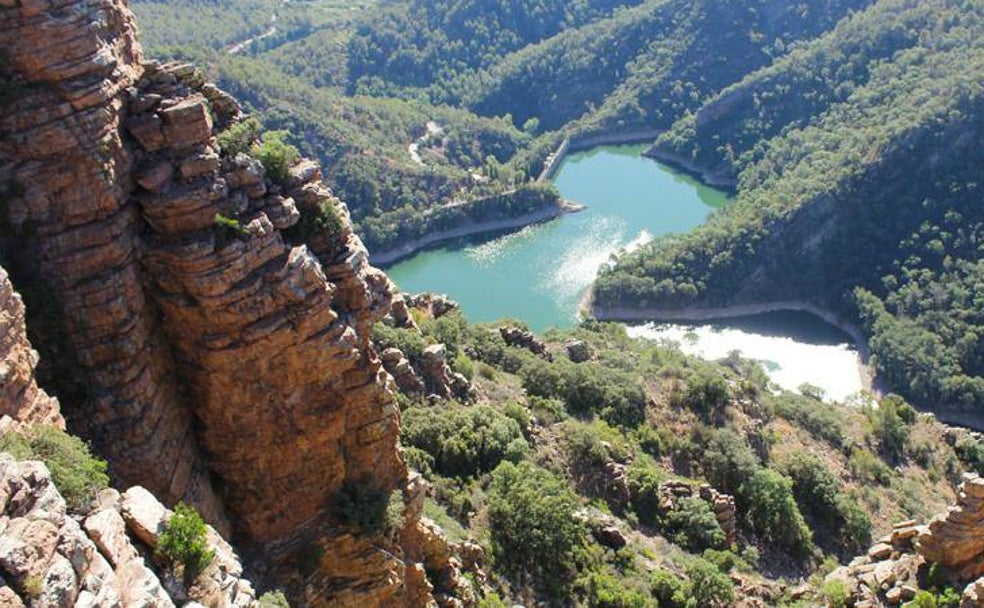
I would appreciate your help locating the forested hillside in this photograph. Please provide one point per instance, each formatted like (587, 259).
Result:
(879, 190)
(369, 88)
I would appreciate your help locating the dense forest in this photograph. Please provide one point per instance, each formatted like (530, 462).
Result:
(881, 164)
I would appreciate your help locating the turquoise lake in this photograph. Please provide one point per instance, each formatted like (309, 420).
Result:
(540, 273)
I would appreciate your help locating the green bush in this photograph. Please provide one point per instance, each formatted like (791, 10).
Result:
(364, 507)
(728, 461)
(463, 441)
(535, 536)
(889, 421)
(820, 419)
(667, 588)
(708, 586)
(614, 395)
(692, 525)
(238, 138)
(184, 541)
(867, 467)
(322, 218)
(644, 492)
(274, 599)
(706, 393)
(835, 594)
(276, 154)
(77, 474)
(771, 512)
(606, 591)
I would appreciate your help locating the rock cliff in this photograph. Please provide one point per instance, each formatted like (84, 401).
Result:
(21, 400)
(192, 335)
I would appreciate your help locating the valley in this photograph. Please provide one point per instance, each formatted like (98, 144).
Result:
(211, 395)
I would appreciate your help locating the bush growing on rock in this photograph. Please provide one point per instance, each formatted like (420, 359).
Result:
(239, 137)
(77, 474)
(728, 461)
(276, 154)
(364, 507)
(184, 541)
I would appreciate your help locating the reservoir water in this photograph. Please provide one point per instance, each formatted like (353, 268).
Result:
(540, 273)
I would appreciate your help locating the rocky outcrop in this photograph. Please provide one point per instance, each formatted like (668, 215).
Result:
(21, 400)
(521, 338)
(199, 331)
(578, 351)
(440, 380)
(894, 567)
(398, 366)
(49, 559)
(955, 539)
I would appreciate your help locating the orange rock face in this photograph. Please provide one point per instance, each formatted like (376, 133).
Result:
(21, 401)
(187, 346)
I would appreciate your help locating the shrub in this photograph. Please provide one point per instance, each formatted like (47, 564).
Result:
(274, 599)
(606, 591)
(706, 393)
(276, 154)
(77, 474)
(820, 419)
(692, 525)
(238, 138)
(644, 492)
(728, 461)
(815, 488)
(364, 507)
(667, 588)
(227, 229)
(890, 426)
(184, 541)
(867, 467)
(708, 586)
(462, 441)
(322, 218)
(772, 513)
(588, 388)
(835, 594)
(533, 529)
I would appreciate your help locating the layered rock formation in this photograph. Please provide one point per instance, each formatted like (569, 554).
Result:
(49, 559)
(955, 539)
(21, 400)
(206, 351)
(897, 566)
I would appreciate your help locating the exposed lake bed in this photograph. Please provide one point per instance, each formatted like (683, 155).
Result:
(539, 274)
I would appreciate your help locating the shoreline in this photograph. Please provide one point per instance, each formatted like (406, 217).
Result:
(705, 176)
(390, 256)
(693, 314)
